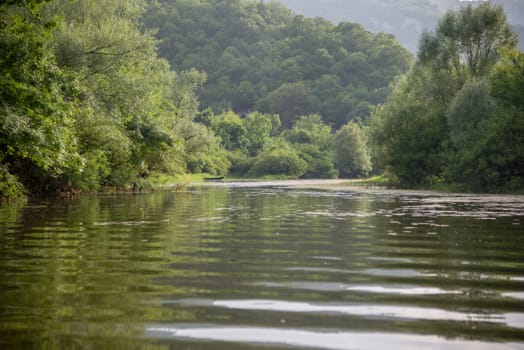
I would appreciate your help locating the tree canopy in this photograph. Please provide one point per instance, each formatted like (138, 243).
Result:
(455, 117)
(98, 93)
(260, 56)
(86, 101)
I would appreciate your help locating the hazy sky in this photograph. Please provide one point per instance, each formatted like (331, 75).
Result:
(406, 19)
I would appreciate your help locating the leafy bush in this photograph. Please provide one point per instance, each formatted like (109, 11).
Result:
(9, 186)
(319, 164)
(279, 161)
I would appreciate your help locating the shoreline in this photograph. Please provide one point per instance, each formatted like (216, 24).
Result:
(355, 185)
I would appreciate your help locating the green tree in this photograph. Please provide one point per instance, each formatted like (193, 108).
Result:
(486, 126)
(319, 163)
(313, 141)
(507, 79)
(442, 121)
(290, 101)
(468, 41)
(281, 159)
(260, 128)
(129, 99)
(471, 106)
(352, 157)
(201, 149)
(409, 133)
(37, 146)
(506, 138)
(470, 117)
(87, 102)
(231, 130)
(311, 129)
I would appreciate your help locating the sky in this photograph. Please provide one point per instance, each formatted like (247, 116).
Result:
(406, 19)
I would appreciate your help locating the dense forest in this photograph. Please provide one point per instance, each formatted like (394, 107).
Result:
(86, 100)
(458, 116)
(104, 94)
(263, 57)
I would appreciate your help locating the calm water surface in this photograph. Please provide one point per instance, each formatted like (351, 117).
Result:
(247, 267)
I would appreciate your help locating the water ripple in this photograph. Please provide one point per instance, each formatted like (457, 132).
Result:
(515, 320)
(318, 339)
(382, 289)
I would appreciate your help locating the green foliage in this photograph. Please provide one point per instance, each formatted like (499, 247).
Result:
(456, 117)
(10, 187)
(319, 164)
(506, 137)
(279, 160)
(311, 129)
(121, 80)
(507, 79)
(243, 137)
(487, 133)
(202, 150)
(471, 106)
(260, 56)
(36, 138)
(409, 133)
(255, 142)
(468, 41)
(86, 102)
(313, 141)
(469, 117)
(352, 157)
(289, 101)
(231, 130)
(260, 128)
(134, 105)
(31, 4)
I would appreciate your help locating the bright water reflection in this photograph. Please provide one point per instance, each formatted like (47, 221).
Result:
(247, 267)
(318, 339)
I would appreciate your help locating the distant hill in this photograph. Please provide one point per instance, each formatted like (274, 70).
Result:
(406, 19)
(263, 57)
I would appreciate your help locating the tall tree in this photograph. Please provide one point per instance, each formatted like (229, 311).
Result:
(352, 157)
(439, 123)
(468, 41)
(37, 145)
(129, 97)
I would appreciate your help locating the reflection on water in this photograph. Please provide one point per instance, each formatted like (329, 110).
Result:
(317, 339)
(333, 286)
(245, 266)
(366, 310)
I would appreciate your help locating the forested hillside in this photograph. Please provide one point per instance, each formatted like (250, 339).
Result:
(406, 19)
(87, 102)
(263, 57)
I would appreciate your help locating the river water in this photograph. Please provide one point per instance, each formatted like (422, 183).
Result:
(263, 266)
